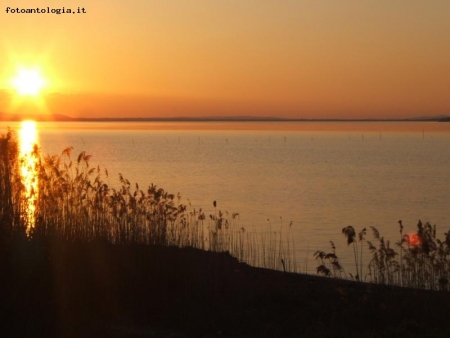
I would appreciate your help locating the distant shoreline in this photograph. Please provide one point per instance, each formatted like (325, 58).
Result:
(64, 118)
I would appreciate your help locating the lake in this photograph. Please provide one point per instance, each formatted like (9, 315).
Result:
(314, 177)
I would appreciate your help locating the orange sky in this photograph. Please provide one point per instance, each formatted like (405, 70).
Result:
(299, 58)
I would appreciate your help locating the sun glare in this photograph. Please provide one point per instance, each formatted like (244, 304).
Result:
(28, 82)
(29, 170)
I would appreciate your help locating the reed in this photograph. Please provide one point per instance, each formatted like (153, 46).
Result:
(75, 203)
(423, 262)
(330, 265)
(11, 188)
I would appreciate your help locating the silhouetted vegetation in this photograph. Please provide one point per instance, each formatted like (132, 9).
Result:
(115, 262)
(74, 203)
(423, 260)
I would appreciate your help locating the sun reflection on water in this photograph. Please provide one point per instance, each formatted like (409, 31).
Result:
(29, 171)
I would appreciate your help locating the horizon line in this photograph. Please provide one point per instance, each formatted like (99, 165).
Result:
(65, 118)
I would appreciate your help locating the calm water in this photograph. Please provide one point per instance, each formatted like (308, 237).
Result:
(319, 176)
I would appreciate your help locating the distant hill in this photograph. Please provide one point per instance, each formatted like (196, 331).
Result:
(35, 117)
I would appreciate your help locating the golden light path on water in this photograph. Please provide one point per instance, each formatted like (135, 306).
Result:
(29, 171)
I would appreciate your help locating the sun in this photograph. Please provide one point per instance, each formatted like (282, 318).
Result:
(28, 82)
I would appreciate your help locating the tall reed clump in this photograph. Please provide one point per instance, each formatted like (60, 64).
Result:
(6, 158)
(75, 203)
(350, 233)
(5, 182)
(423, 261)
(11, 188)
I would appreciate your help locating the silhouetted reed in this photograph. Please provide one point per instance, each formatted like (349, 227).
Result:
(11, 188)
(73, 202)
(330, 266)
(423, 262)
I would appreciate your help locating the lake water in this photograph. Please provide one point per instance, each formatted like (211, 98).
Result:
(319, 176)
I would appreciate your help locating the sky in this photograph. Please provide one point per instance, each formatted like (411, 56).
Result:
(277, 58)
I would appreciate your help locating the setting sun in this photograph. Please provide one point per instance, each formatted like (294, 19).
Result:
(28, 82)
